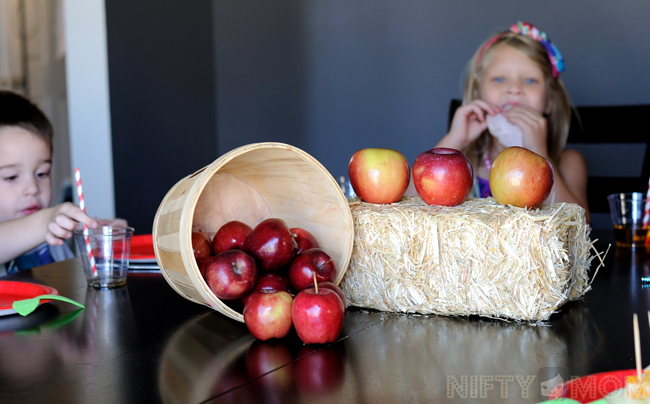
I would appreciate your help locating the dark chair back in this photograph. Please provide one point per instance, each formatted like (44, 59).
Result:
(615, 141)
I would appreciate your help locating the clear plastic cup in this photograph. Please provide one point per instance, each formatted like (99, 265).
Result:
(111, 247)
(627, 211)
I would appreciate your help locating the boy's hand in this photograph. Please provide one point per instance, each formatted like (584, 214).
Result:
(113, 223)
(468, 123)
(63, 220)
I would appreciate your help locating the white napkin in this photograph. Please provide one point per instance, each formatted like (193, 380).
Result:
(506, 133)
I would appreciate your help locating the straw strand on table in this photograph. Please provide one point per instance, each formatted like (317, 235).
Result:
(637, 346)
(82, 206)
(646, 215)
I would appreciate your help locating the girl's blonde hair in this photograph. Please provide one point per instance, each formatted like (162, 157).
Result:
(560, 116)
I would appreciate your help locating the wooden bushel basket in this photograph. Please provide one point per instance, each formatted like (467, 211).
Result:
(249, 184)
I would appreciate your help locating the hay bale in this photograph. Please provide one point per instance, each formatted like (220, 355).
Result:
(478, 258)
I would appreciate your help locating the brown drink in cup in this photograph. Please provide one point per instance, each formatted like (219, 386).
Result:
(630, 236)
(627, 210)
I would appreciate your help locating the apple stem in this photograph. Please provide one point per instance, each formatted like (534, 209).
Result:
(315, 282)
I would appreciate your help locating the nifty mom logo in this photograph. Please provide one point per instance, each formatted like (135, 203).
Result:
(478, 386)
(547, 381)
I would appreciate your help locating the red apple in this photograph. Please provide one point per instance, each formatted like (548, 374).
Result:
(332, 286)
(201, 246)
(202, 265)
(231, 274)
(271, 244)
(521, 178)
(269, 281)
(319, 370)
(443, 176)
(379, 175)
(308, 263)
(304, 239)
(268, 314)
(230, 236)
(318, 315)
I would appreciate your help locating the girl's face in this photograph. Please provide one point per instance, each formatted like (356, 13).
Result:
(512, 78)
(25, 163)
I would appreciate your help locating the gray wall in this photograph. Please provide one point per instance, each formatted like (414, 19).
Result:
(329, 77)
(161, 73)
(332, 77)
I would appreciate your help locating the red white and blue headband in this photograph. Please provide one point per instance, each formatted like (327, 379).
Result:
(529, 30)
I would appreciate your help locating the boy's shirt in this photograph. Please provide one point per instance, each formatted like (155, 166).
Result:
(42, 255)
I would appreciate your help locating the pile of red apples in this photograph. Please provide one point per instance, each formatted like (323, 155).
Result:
(444, 177)
(265, 267)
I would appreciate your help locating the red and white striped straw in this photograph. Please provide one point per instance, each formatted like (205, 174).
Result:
(646, 215)
(82, 205)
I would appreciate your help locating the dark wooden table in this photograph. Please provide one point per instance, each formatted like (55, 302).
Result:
(144, 343)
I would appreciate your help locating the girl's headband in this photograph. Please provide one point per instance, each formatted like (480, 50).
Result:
(529, 30)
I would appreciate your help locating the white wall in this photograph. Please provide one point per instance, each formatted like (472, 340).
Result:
(88, 103)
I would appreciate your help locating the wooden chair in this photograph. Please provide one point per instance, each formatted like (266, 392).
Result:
(615, 141)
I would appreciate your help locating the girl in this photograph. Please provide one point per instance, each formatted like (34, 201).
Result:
(516, 73)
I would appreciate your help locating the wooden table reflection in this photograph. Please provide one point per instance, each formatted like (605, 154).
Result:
(143, 343)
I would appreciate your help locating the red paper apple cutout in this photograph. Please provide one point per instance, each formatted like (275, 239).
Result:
(201, 246)
(269, 281)
(268, 314)
(231, 274)
(443, 176)
(379, 175)
(304, 239)
(271, 244)
(230, 236)
(309, 263)
(521, 178)
(318, 315)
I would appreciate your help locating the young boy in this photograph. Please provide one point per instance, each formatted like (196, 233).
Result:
(31, 233)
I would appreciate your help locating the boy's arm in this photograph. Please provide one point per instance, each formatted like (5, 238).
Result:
(54, 224)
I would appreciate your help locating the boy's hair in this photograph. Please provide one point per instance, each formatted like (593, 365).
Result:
(559, 117)
(16, 110)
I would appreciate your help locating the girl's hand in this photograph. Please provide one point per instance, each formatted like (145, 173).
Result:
(533, 126)
(62, 220)
(468, 124)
